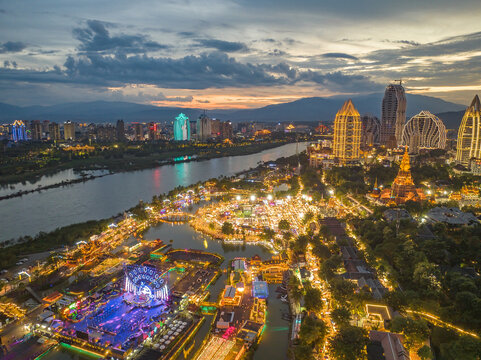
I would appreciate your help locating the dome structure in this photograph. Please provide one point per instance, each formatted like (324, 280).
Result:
(424, 131)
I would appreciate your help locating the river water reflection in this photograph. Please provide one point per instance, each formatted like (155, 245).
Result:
(110, 195)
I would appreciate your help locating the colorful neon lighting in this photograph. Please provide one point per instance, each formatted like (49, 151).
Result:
(181, 128)
(146, 281)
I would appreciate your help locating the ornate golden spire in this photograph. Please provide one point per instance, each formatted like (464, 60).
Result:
(405, 165)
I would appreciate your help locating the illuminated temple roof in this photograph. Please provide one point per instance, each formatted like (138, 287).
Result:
(402, 188)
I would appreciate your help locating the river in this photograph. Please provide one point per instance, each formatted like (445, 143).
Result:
(274, 341)
(112, 194)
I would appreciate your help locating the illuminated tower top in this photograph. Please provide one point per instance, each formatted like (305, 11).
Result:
(469, 134)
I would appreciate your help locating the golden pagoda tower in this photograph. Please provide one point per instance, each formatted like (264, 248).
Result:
(347, 133)
(403, 188)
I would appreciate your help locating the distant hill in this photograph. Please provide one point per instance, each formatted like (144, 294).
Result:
(306, 109)
(451, 119)
(325, 109)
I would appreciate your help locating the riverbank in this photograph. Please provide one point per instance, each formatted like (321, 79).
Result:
(102, 198)
(132, 161)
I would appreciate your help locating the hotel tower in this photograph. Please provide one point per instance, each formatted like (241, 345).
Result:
(469, 134)
(347, 133)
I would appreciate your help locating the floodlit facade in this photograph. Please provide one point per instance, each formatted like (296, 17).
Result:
(393, 115)
(69, 130)
(370, 130)
(347, 133)
(424, 131)
(181, 128)
(469, 134)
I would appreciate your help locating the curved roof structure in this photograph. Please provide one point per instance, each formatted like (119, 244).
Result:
(424, 131)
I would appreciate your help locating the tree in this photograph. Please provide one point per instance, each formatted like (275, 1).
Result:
(415, 331)
(311, 336)
(284, 225)
(313, 299)
(329, 267)
(268, 234)
(341, 290)
(227, 228)
(464, 348)
(297, 291)
(341, 316)
(313, 331)
(308, 217)
(321, 251)
(396, 299)
(425, 353)
(350, 343)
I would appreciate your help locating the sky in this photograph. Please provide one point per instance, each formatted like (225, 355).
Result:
(235, 53)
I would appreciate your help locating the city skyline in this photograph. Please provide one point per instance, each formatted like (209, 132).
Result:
(232, 55)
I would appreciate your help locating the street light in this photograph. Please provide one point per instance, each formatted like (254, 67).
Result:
(253, 198)
(331, 191)
(269, 197)
(238, 197)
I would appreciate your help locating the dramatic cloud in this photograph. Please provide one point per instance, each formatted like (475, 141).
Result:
(96, 38)
(221, 45)
(233, 49)
(12, 47)
(339, 56)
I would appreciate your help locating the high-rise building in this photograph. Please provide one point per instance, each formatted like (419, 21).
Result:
(120, 130)
(153, 131)
(347, 133)
(19, 132)
(138, 131)
(181, 128)
(45, 125)
(54, 131)
(105, 133)
(204, 128)
(469, 134)
(370, 131)
(36, 130)
(226, 130)
(215, 128)
(69, 130)
(393, 115)
(424, 131)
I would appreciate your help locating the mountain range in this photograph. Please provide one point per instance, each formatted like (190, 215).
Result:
(306, 109)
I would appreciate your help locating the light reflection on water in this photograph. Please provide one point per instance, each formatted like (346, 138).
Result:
(112, 194)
